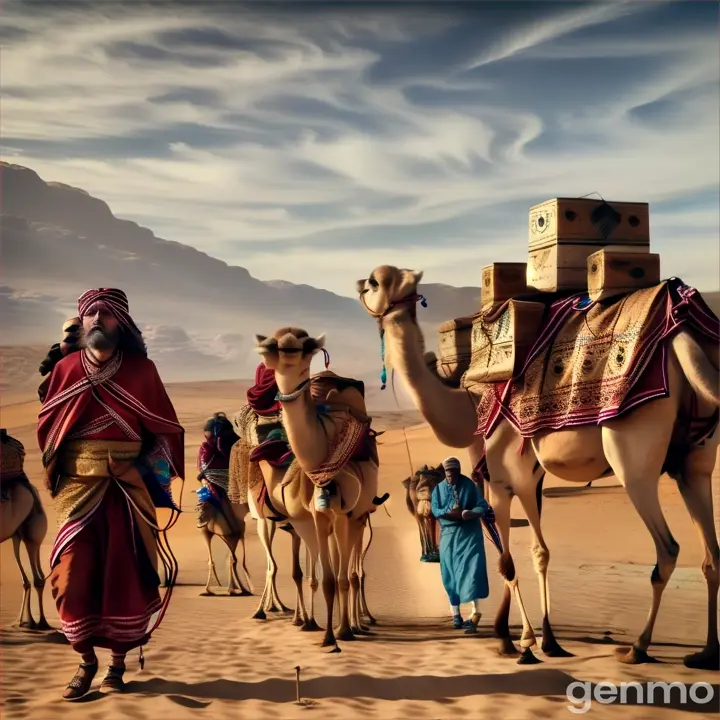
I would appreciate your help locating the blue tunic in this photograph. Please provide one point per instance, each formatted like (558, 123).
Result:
(462, 547)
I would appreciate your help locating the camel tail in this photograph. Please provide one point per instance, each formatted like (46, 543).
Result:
(703, 378)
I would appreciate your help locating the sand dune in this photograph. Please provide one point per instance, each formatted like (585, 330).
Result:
(209, 659)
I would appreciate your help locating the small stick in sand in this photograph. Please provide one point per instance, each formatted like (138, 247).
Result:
(297, 684)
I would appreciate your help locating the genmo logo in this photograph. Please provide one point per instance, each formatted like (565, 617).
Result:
(583, 694)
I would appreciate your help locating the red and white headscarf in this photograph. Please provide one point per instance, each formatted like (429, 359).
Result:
(114, 300)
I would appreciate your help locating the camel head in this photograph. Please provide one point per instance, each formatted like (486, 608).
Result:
(388, 288)
(418, 498)
(289, 352)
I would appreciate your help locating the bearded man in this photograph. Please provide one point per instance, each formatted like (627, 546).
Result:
(111, 445)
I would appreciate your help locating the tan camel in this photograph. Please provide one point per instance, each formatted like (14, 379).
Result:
(418, 498)
(633, 447)
(23, 519)
(227, 523)
(322, 443)
(273, 509)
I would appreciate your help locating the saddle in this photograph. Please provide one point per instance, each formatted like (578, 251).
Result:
(265, 438)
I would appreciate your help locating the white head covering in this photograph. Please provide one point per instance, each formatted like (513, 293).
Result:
(451, 462)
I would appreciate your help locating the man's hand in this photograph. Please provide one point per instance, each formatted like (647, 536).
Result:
(469, 515)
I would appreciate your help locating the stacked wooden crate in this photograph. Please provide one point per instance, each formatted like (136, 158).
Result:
(490, 345)
(575, 245)
(578, 244)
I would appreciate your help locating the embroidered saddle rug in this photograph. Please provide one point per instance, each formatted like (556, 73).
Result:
(594, 361)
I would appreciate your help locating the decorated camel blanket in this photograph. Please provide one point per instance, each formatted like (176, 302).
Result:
(594, 361)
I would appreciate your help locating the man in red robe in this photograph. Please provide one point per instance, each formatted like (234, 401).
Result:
(111, 445)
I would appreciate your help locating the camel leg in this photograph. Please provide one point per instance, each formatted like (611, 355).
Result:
(212, 573)
(248, 580)
(696, 490)
(364, 610)
(632, 451)
(500, 500)
(276, 604)
(311, 561)
(300, 616)
(356, 624)
(235, 586)
(25, 619)
(541, 559)
(265, 535)
(324, 534)
(345, 532)
(33, 550)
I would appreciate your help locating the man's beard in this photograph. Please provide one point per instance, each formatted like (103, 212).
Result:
(100, 339)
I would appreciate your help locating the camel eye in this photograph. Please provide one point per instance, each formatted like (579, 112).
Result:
(373, 283)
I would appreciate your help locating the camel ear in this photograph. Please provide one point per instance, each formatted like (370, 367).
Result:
(417, 275)
(320, 341)
(406, 483)
(360, 286)
(260, 339)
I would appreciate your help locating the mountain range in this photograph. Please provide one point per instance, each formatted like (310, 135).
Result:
(198, 314)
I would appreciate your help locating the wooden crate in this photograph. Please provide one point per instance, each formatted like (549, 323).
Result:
(454, 348)
(582, 220)
(617, 271)
(503, 281)
(501, 342)
(564, 233)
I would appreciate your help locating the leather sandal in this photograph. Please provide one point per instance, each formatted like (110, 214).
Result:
(79, 686)
(113, 681)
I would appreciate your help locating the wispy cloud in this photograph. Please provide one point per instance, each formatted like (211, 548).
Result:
(296, 142)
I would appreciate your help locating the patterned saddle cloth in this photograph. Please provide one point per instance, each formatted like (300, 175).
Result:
(594, 361)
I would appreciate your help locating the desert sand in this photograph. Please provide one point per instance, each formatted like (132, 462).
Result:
(209, 659)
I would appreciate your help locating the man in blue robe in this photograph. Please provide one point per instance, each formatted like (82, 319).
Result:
(458, 505)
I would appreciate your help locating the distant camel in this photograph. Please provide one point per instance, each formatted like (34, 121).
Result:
(227, 523)
(23, 518)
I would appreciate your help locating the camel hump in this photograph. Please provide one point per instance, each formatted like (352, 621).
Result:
(335, 390)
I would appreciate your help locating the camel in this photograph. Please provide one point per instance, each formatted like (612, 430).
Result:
(25, 521)
(227, 523)
(323, 443)
(634, 447)
(418, 494)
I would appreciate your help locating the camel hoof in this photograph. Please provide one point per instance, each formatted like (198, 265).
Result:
(528, 658)
(507, 648)
(371, 620)
(298, 622)
(345, 635)
(28, 625)
(43, 625)
(360, 631)
(311, 626)
(273, 609)
(207, 593)
(329, 641)
(260, 615)
(706, 659)
(553, 650)
(633, 656)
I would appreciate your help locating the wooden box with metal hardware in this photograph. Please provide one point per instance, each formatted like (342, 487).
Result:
(501, 340)
(453, 357)
(564, 232)
(503, 281)
(616, 271)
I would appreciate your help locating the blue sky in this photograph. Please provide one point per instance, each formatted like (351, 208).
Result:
(314, 144)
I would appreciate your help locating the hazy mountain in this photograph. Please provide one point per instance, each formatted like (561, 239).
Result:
(199, 314)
